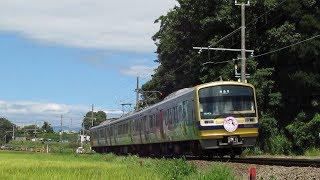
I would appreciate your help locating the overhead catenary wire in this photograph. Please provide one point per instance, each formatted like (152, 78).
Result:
(233, 32)
(263, 54)
(273, 51)
(251, 22)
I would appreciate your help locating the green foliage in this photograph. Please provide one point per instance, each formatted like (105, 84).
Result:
(47, 128)
(94, 119)
(54, 147)
(312, 152)
(279, 144)
(253, 151)
(304, 132)
(174, 168)
(217, 172)
(67, 166)
(268, 99)
(15, 165)
(284, 72)
(5, 125)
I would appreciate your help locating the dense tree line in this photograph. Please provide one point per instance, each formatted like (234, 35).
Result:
(284, 68)
(7, 128)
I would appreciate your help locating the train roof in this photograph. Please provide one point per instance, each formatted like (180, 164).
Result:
(173, 95)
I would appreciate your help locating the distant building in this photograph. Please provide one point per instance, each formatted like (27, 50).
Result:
(84, 138)
(20, 138)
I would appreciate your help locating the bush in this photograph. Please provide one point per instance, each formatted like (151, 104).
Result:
(174, 168)
(279, 144)
(312, 152)
(253, 151)
(304, 133)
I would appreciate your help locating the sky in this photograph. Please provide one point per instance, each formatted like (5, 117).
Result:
(60, 57)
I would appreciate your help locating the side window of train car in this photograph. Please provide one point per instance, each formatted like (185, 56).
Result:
(133, 127)
(171, 116)
(167, 116)
(180, 112)
(175, 115)
(185, 110)
(115, 132)
(152, 122)
(126, 128)
(144, 124)
(100, 133)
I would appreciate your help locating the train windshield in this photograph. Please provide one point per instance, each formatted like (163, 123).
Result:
(226, 100)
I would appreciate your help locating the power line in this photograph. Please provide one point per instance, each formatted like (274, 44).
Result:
(233, 32)
(287, 46)
(251, 22)
(273, 51)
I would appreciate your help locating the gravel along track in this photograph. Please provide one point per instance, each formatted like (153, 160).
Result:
(241, 171)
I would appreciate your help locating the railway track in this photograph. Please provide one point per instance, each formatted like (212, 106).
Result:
(274, 161)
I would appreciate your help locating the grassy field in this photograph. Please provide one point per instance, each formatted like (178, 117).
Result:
(27, 165)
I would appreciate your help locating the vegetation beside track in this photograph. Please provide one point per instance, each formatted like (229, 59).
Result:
(27, 165)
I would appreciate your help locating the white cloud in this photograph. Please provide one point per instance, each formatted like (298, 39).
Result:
(140, 70)
(123, 25)
(28, 112)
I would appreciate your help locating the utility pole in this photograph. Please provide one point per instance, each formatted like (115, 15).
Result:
(13, 131)
(61, 134)
(92, 116)
(137, 95)
(243, 45)
(35, 130)
(243, 39)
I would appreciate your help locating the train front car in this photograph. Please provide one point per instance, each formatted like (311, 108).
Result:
(227, 117)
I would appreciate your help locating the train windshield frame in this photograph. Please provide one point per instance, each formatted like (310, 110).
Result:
(226, 100)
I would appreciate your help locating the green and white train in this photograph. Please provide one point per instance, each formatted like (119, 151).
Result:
(217, 118)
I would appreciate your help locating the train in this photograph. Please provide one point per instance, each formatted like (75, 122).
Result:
(213, 119)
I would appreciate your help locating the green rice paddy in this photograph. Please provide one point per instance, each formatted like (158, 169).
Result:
(27, 165)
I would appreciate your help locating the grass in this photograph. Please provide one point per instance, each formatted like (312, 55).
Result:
(28, 165)
(59, 166)
(312, 152)
(218, 172)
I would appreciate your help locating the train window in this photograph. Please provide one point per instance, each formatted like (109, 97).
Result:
(100, 133)
(164, 117)
(176, 114)
(126, 129)
(144, 124)
(171, 115)
(221, 101)
(167, 117)
(184, 110)
(152, 121)
(180, 113)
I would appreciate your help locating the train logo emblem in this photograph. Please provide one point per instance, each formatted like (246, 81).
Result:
(230, 124)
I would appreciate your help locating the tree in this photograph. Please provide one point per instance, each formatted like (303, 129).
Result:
(285, 72)
(98, 117)
(47, 128)
(304, 132)
(5, 125)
